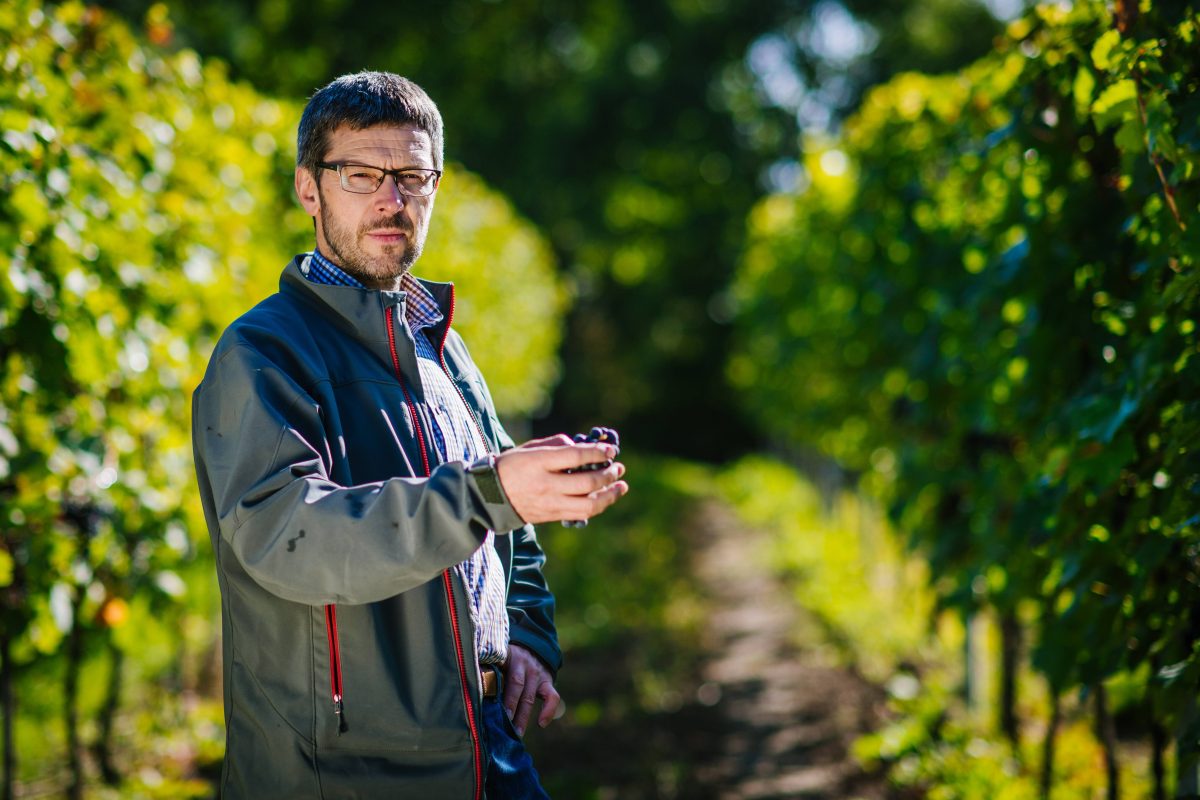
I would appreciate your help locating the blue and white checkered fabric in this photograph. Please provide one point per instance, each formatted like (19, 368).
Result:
(457, 438)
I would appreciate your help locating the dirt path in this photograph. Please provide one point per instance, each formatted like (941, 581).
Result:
(763, 715)
(789, 717)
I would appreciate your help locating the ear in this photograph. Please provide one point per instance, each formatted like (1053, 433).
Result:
(306, 191)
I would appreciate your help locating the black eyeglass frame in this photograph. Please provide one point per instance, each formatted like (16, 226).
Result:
(384, 173)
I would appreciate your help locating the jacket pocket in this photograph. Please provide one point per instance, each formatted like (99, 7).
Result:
(387, 685)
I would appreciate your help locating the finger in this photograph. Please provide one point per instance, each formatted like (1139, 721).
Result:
(610, 494)
(557, 440)
(585, 483)
(524, 710)
(550, 700)
(577, 455)
(603, 477)
(514, 685)
(588, 506)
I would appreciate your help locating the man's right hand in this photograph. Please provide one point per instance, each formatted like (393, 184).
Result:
(533, 477)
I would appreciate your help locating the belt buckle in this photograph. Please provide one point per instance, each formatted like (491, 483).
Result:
(488, 681)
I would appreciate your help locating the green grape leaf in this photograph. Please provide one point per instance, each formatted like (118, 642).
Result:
(1116, 104)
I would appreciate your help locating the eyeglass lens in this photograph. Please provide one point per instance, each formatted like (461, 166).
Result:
(366, 180)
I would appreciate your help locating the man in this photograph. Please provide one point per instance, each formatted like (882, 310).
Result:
(383, 607)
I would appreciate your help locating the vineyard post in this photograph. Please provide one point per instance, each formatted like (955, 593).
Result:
(1187, 756)
(8, 707)
(1106, 732)
(975, 662)
(968, 688)
(1010, 654)
(1158, 745)
(1046, 782)
(74, 665)
(108, 712)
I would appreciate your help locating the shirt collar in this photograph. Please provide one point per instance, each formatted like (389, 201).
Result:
(420, 311)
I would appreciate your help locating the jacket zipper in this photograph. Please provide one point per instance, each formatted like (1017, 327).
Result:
(447, 581)
(446, 369)
(412, 411)
(335, 666)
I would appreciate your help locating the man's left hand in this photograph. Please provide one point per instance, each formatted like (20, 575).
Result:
(526, 679)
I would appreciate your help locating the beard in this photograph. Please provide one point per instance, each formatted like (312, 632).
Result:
(373, 271)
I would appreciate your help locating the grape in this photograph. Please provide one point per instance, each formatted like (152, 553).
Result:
(597, 434)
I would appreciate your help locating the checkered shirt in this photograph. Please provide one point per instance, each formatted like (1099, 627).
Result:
(457, 438)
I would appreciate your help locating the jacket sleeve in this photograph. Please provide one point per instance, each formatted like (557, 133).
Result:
(261, 464)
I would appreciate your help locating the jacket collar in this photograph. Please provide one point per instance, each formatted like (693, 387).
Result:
(364, 313)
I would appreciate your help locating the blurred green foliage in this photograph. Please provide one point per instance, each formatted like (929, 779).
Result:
(636, 135)
(145, 200)
(985, 305)
(948, 758)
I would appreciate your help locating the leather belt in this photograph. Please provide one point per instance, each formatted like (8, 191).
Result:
(489, 681)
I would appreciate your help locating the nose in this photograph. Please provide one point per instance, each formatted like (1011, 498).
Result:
(389, 194)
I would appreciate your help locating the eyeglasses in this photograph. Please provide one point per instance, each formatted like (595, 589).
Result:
(361, 179)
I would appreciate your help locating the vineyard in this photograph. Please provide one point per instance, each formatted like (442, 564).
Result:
(957, 359)
(985, 307)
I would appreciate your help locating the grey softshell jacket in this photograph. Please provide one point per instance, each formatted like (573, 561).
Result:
(335, 549)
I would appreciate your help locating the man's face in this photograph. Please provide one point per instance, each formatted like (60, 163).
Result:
(374, 237)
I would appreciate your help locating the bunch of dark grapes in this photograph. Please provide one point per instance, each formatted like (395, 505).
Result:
(597, 434)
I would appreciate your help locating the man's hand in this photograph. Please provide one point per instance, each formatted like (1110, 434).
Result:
(526, 679)
(533, 478)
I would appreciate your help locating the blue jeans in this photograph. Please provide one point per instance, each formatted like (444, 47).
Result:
(510, 771)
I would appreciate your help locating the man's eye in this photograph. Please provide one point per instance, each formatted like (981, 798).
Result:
(364, 173)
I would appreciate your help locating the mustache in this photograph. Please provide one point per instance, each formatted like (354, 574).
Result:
(397, 222)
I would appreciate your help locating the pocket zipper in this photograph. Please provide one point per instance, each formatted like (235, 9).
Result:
(335, 667)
